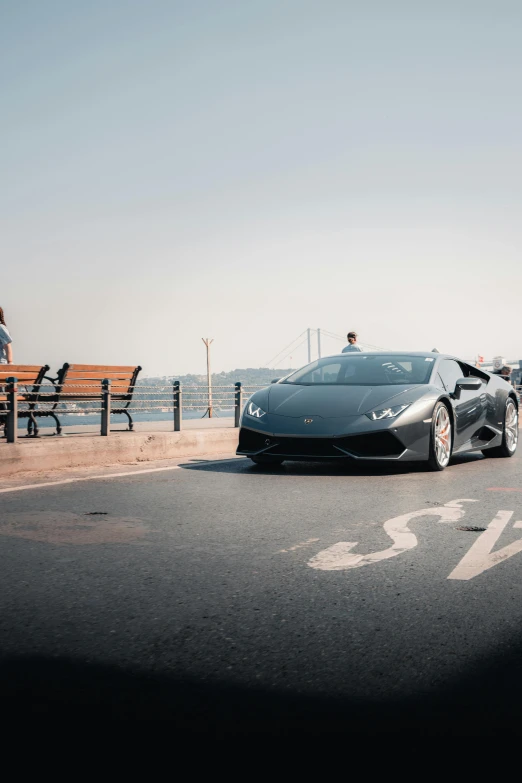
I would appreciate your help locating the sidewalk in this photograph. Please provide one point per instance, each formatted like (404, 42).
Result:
(83, 446)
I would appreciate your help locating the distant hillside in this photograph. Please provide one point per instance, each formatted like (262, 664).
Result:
(251, 376)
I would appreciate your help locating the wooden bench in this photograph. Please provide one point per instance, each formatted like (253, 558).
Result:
(30, 378)
(83, 383)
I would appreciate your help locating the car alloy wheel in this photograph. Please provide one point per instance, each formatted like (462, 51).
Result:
(442, 436)
(509, 434)
(511, 426)
(441, 440)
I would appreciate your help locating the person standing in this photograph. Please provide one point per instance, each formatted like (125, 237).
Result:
(505, 372)
(6, 349)
(352, 343)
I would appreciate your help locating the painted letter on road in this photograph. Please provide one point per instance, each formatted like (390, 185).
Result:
(480, 557)
(340, 557)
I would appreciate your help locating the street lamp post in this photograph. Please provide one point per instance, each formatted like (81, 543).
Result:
(207, 342)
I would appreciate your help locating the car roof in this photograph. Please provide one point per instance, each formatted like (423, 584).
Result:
(420, 354)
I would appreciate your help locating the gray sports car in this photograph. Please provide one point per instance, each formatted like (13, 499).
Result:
(381, 406)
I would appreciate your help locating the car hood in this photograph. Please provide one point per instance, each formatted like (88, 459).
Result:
(330, 401)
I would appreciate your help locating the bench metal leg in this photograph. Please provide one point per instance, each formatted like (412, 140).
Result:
(32, 427)
(131, 423)
(58, 425)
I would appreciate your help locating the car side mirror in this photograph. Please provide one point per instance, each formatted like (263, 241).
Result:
(471, 384)
(275, 380)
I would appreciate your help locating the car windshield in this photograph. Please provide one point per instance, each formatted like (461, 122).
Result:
(365, 370)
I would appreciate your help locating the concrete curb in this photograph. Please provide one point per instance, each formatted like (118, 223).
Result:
(91, 451)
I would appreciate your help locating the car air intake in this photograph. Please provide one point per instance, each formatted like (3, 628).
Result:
(250, 441)
(485, 434)
(374, 444)
(305, 447)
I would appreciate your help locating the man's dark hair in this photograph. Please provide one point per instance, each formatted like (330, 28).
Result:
(351, 334)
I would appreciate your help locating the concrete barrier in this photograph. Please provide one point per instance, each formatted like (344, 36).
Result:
(50, 453)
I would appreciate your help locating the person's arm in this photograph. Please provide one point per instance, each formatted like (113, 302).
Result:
(9, 353)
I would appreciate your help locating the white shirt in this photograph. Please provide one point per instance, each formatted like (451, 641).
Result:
(5, 339)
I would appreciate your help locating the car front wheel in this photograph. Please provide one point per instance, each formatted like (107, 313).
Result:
(441, 439)
(509, 435)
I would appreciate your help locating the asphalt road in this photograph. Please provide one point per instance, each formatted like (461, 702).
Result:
(230, 598)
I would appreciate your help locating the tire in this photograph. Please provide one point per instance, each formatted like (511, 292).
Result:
(263, 459)
(441, 438)
(509, 434)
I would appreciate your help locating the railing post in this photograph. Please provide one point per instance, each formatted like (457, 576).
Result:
(178, 414)
(106, 407)
(238, 403)
(11, 429)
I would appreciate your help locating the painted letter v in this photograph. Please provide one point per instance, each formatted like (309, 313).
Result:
(480, 557)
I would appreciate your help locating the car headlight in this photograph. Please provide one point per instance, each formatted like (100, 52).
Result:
(387, 413)
(254, 410)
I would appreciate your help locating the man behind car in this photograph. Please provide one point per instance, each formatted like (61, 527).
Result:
(352, 343)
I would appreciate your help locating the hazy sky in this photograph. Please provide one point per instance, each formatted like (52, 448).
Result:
(243, 170)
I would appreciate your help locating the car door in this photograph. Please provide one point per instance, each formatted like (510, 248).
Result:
(469, 406)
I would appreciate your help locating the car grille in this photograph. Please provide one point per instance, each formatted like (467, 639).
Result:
(374, 444)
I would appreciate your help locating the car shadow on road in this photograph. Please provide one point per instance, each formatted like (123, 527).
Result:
(484, 700)
(325, 468)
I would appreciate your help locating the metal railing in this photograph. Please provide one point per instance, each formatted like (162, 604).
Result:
(26, 402)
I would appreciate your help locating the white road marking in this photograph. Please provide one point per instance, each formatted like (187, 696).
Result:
(480, 557)
(340, 558)
(106, 476)
(87, 478)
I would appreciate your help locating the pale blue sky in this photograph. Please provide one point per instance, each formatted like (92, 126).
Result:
(243, 170)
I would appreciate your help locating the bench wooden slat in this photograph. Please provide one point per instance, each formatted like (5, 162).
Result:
(11, 369)
(90, 386)
(25, 378)
(101, 368)
(26, 373)
(76, 394)
(84, 377)
(21, 398)
(84, 384)
(100, 373)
